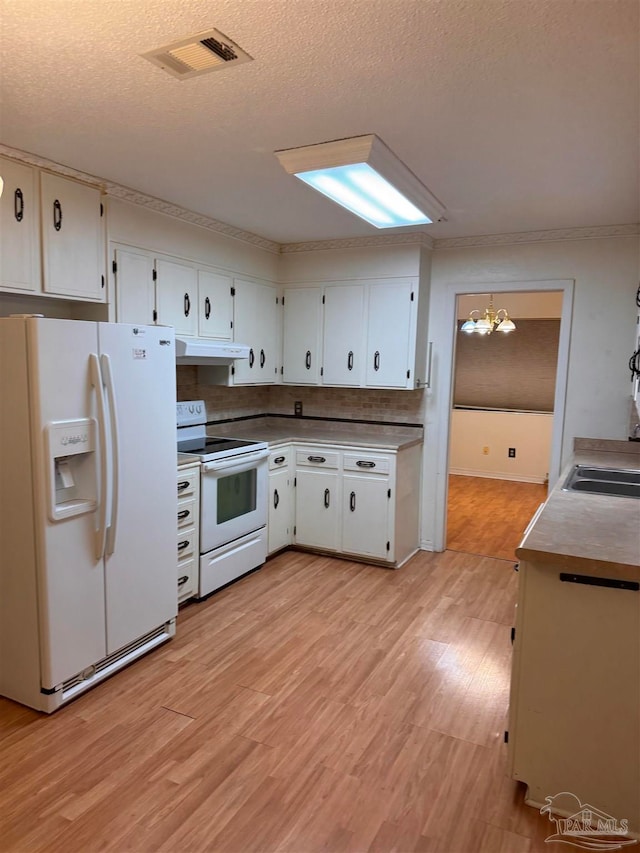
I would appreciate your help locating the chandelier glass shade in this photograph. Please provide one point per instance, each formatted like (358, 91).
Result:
(483, 323)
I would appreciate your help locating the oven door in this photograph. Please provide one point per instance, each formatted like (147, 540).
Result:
(233, 498)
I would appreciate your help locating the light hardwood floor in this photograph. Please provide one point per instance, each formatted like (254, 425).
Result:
(487, 516)
(317, 704)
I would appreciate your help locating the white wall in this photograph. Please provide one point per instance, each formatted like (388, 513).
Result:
(473, 431)
(598, 388)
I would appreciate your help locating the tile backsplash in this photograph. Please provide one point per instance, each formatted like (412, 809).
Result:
(349, 403)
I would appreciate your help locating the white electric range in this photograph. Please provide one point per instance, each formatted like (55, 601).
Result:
(233, 498)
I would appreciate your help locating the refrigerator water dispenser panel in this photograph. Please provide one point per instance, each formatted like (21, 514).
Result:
(72, 467)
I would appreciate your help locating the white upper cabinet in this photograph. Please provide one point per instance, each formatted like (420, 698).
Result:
(215, 305)
(256, 324)
(134, 286)
(177, 296)
(19, 228)
(302, 335)
(391, 335)
(343, 341)
(73, 239)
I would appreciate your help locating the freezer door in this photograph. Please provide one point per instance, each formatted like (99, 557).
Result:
(138, 367)
(71, 600)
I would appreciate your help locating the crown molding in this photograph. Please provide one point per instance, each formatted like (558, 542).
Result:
(418, 238)
(410, 238)
(141, 199)
(549, 236)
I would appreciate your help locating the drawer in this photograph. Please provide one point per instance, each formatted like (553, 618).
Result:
(187, 579)
(317, 458)
(187, 514)
(186, 544)
(279, 458)
(367, 462)
(188, 482)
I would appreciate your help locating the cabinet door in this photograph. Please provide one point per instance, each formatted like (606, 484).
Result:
(72, 239)
(390, 335)
(318, 509)
(176, 296)
(19, 268)
(343, 345)
(135, 290)
(255, 323)
(280, 510)
(302, 335)
(215, 306)
(365, 515)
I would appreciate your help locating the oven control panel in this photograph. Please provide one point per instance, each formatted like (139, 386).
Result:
(191, 413)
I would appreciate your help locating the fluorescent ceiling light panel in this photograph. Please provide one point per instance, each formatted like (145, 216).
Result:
(366, 177)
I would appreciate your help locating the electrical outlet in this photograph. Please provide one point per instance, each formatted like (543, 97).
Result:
(297, 408)
(485, 451)
(512, 453)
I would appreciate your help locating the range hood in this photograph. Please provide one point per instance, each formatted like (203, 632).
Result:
(202, 351)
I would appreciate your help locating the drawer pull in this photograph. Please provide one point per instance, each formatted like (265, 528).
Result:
(362, 463)
(352, 501)
(183, 580)
(184, 514)
(316, 459)
(327, 498)
(279, 460)
(183, 485)
(182, 545)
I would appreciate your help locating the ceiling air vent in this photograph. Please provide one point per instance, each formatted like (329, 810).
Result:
(197, 55)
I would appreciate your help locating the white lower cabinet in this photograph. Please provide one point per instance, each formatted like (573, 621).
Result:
(366, 501)
(188, 523)
(280, 521)
(318, 509)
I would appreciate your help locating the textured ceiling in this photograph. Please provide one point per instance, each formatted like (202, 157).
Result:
(519, 115)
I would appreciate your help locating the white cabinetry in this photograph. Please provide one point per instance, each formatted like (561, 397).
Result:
(391, 335)
(177, 296)
(366, 504)
(215, 305)
(280, 523)
(255, 323)
(188, 520)
(318, 498)
(73, 239)
(343, 341)
(302, 335)
(134, 286)
(19, 228)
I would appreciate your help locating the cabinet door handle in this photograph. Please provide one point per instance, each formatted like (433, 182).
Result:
(184, 514)
(276, 499)
(18, 205)
(307, 360)
(183, 485)
(316, 459)
(57, 215)
(327, 498)
(279, 460)
(362, 463)
(187, 305)
(183, 580)
(252, 358)
(634, 364)
(182, 545)
(207, 308)
(352, 501)
(376, 361)
(263, 358)
(350, 360)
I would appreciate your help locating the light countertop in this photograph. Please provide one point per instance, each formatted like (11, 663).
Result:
(588, 532)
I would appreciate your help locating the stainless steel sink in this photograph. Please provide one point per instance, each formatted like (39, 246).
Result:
(603, 481)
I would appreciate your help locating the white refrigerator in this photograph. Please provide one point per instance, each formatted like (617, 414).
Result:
(88, 578)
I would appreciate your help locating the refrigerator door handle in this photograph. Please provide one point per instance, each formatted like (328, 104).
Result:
(107, 374)
(96, 381)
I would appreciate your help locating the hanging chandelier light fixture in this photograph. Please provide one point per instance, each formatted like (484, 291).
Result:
(489, 321)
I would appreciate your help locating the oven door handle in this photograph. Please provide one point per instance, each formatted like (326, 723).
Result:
(242, 461)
